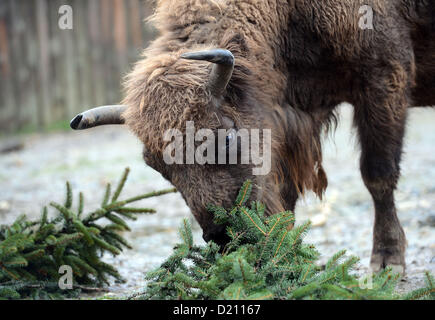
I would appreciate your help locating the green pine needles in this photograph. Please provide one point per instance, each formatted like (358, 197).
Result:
(31, 252)
(265, 259)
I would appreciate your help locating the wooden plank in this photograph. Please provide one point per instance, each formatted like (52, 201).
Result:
(68, 68)
(95, 47)
(7, 104)
(81, 28)
(120, 26)
(29, 85)
(120, 36)
(4, 46)
(110, 69)
(60, 59)
(57, 55)
(135, 24)
(44, 62)
(18, 64)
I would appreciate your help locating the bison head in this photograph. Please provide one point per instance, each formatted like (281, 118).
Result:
(212, 89)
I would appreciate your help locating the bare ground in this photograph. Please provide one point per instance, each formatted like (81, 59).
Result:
(34, 176)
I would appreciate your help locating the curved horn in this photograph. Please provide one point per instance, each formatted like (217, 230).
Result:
(222, 70)
(98, 117)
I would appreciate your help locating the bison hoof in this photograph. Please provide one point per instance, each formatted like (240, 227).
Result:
(380, 262)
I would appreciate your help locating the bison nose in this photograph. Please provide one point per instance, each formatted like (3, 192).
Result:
(75, 123)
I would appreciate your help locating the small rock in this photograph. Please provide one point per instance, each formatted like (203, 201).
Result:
(5, 206)
(11, 145)
(318, 220)
(429, 221)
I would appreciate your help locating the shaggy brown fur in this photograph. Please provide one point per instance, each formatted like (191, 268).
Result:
(295, 62)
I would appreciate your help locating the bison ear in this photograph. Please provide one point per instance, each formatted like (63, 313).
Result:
(98, 117)
(222, 70)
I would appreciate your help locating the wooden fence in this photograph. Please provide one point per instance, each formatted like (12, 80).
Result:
(48, 74)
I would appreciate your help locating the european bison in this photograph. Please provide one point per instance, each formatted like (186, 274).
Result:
(282, 65)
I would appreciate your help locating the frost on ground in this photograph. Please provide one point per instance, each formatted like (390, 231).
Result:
(36, 175)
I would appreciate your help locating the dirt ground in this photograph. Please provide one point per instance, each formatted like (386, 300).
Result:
(34, 176)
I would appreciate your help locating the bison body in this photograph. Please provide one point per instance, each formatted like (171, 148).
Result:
(295, 61)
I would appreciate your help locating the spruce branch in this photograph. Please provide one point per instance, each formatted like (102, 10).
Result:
(31, 252)
(266, 258)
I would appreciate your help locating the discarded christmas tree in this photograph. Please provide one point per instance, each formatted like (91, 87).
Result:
(265, 259)
(31, 253)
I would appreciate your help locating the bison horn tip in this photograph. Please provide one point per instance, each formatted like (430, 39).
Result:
(75, 123)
